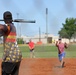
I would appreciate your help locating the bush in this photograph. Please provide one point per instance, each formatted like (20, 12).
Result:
(20, 41)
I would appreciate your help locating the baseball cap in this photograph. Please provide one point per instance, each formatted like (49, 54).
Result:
(7, 15)
(59, 39)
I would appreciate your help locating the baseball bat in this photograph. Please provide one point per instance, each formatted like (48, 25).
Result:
(21, 21)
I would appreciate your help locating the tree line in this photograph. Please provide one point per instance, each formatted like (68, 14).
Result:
(69, 28)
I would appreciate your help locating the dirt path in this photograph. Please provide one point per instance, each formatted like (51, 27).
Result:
(47, 66)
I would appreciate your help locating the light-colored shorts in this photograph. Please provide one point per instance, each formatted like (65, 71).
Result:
(61, 55)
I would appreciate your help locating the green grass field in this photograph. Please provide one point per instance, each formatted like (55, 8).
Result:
(45, 51)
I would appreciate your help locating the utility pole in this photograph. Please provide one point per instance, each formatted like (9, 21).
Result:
(20, 30)
(46, 22)
(18, 26)
(17, 23)
(39, 34)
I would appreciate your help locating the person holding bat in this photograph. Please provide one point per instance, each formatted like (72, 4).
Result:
(12, 55)
(31, 47)
(61, 53)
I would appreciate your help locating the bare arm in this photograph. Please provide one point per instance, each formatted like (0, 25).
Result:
(29, 47)
(57, 43)
(33, 46)
(66, 45)
(1, 27)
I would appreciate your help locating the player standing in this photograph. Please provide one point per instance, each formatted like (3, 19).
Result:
(12, 55)
(31, 47)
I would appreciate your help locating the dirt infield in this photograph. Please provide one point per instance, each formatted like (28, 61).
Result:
(47, 66)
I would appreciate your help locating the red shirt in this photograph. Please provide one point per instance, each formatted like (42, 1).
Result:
(61, 47)
(31, 45)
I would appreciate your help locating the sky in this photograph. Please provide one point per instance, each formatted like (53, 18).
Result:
(58, 11)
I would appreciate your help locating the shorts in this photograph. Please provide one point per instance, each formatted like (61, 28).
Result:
(31, 50)
(10, 68)
(61, 55)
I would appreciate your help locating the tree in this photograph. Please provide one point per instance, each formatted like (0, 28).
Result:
(19, 40)
(63, 33)
(69, 28)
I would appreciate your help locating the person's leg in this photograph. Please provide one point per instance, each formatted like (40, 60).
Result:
(33, 53)
(16, 69)
(3, 69)
(30, 54)
(62, 59)
(4, 73)
(62, 62)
